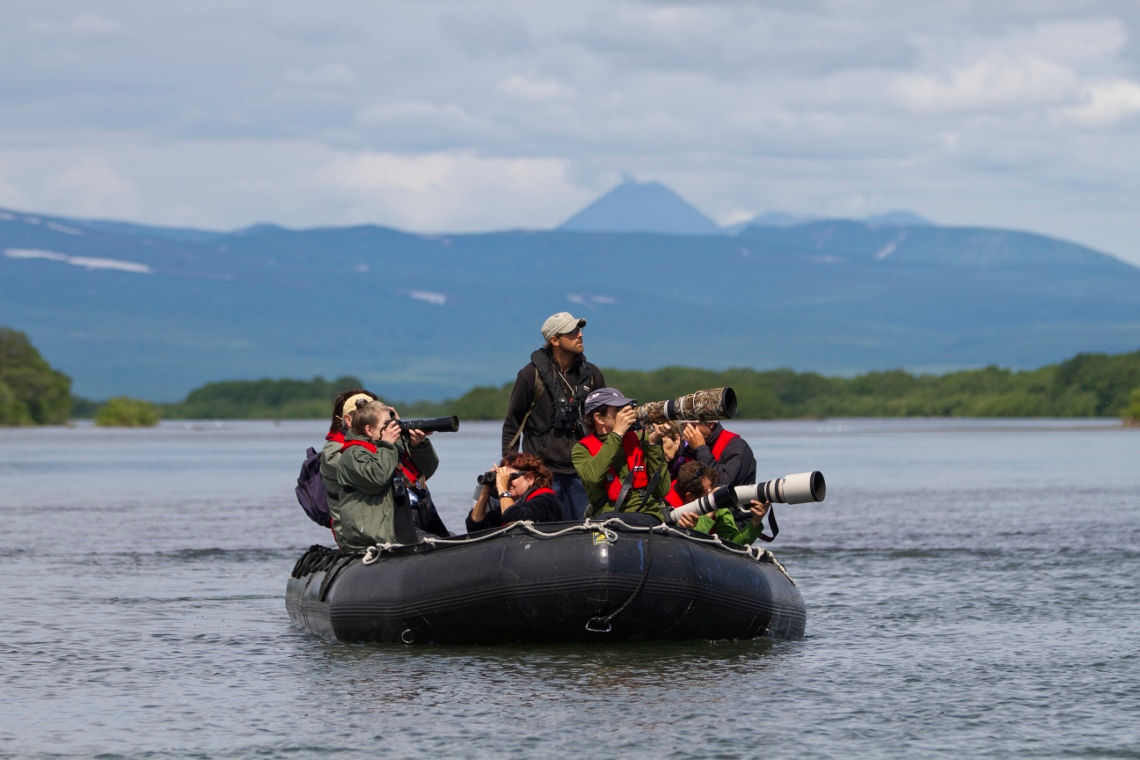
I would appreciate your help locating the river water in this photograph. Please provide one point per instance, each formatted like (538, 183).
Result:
(971, 591)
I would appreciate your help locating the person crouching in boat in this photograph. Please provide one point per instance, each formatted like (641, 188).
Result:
(372, 482)
(524, 489)
(623, 469)
(694, 480)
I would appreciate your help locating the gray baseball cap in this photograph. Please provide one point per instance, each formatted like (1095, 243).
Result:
(606, 397)
(562, 322)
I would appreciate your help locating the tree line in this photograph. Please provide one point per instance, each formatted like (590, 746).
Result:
(1087, 385)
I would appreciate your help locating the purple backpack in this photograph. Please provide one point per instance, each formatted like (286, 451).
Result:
(311, 490)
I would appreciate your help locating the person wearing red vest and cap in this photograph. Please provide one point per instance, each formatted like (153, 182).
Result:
(623, 470)
(726, 452)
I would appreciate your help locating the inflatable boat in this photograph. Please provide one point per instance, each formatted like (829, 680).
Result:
(611, 580)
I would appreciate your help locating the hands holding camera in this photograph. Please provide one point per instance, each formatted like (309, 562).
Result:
(693, 435)
(624, 420)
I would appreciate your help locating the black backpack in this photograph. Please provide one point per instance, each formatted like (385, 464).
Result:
(311, 490)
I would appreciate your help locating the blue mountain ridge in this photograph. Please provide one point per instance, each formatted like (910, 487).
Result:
(130, 309)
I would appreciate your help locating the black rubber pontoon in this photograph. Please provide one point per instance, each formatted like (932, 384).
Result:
(599, 581)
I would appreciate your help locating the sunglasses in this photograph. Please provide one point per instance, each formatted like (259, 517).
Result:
(515, 475)
(572, 334)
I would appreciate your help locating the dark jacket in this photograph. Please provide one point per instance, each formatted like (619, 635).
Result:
(538, 505)
(737, 465)
(540, 436)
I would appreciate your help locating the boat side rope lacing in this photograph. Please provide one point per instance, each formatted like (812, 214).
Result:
(756, 553)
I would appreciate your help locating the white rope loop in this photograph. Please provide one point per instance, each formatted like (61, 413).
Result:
(756, 553)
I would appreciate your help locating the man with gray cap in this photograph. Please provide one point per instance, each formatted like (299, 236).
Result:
(623, 470)
(546, 406)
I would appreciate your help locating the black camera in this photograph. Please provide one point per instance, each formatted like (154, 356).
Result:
(435, 425)
(566, 413)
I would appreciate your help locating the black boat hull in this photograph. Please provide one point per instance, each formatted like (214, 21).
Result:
(549, 583)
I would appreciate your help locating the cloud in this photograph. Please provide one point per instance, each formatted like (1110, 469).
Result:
(93, 186)
(996, 83)
(336, 75)
(441, 191)
(1104, 104)
(528, 88)
(85, 25)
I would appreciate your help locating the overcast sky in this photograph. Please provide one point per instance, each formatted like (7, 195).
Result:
(461, 116)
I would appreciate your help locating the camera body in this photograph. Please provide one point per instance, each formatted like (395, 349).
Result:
(567, 412)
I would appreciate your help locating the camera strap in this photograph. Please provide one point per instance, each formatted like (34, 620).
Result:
(627, 486)
(539, 387)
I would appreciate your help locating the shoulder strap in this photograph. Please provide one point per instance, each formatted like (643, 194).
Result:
(627, 486)
(539, 387)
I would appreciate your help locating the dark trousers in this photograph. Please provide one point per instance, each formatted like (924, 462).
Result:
(572, 494)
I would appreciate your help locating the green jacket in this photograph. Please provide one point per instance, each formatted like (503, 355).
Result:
(723, 524)
(329, 456)
(365, 513)
(594, 471)
(423, 457)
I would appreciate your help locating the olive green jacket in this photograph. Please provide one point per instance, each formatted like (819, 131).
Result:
(723, 524)
(593, 471)
(329, 456)
(365, 513)
(352, 522)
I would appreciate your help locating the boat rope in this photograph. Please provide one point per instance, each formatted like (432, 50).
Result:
(609, 528)
(605, 624)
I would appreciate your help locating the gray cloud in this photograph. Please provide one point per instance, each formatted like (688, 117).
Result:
(451, 115)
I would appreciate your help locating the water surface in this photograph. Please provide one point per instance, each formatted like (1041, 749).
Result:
(970, 585)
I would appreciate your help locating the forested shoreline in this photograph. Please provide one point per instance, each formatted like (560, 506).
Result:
(1087, 385)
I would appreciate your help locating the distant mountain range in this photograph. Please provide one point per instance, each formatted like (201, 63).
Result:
(653, 207)
(154, 312)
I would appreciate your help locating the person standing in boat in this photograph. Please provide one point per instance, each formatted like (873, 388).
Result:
(724, 451)
(623, 469)
(523, 485)
(545, 407)
(696, 480)
(343, 408)
(373, 506)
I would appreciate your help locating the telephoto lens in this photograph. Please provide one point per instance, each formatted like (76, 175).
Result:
(720, 498)
(790, 489)
(435, 425)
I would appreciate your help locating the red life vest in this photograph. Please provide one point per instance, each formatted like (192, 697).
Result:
(338, 437)
(539, 491)
(354, 442)
(406, 465)
(673, 499)
(722, 440)
(634, 458)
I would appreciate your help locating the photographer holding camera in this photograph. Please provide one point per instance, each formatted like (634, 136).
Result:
(379, 466)
(623, 468)
(524, 493)
(696, 480)
(725, 452)
(545, 407)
